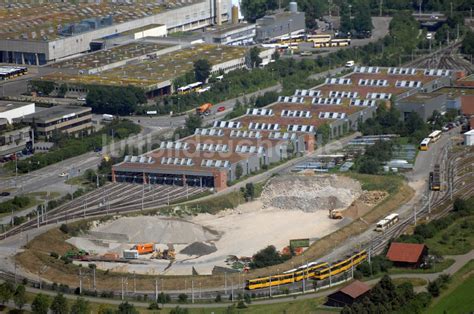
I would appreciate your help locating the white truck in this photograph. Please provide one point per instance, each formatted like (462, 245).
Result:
(107, 117)
(130, 254)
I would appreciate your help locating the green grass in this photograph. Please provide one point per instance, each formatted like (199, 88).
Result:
(416, 282)
(389, 183)
(79, 180)
(457, 298)
(457, 239)
(45, 195)
(438, 267)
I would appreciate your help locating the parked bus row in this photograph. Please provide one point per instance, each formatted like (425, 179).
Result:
(432, 138)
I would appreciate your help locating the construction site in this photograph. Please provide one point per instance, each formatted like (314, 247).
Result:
(293, 206)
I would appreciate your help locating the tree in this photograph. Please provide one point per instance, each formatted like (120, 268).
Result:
(182, 298)
(238, 171)
(249, 191)
(115, 100)
(80, 306)
(20, 296)
(6, 292)
(267, 257)
(468, 44)
(362, 19)
(254, 57)
(40, 304)
(62, 90)
(163, 298)
(202, 70)
(127, 308)
(433, 288)
(59, 305)
(192, 123)
(255, 9)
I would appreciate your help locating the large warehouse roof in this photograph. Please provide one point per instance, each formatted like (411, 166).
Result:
(43, 22)
(154, 71)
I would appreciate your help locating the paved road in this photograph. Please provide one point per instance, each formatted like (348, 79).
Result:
(380, 30)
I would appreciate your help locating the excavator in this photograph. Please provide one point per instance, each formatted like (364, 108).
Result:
(335, 214)
(204, 109)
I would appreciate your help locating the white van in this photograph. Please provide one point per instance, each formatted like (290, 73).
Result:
(350, 64)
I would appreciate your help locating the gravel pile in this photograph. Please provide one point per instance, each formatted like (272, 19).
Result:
(158, 230)
(310, 193)
(199, 248)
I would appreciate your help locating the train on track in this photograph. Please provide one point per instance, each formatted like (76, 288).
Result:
(435, 179)
(315, 271)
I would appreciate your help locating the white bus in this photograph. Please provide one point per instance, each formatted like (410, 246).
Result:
(425, 143)
(387, 222)
(435, 135)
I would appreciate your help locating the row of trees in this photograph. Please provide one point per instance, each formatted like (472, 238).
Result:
(67, 146)
(267, 257)
(115, 100)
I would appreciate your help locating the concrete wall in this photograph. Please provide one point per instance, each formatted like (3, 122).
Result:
(159, 31)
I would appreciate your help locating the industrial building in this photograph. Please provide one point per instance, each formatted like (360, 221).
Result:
(73, 120)
(227, 150)
(41, 33)
(13, 138)
(153, 70)
(10, 110)
(424, 104)
(231, 34)
(280, 24)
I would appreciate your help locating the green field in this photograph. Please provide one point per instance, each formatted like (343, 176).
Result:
(457, 239)
(458, 298)
(437, 268)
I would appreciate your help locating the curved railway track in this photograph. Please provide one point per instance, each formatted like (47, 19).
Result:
(111, 198)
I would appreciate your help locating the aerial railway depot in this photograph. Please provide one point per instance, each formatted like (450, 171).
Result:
(261, 137)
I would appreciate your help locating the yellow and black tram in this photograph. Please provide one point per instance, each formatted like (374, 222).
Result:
(316, 271)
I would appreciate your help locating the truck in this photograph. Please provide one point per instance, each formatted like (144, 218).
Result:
(335, 214)
(107, 117)
(145, 248)
(130, 254)
(204, 109)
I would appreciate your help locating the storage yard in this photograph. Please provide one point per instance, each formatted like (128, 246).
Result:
(205, 241)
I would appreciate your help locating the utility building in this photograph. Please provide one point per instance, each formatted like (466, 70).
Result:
(281, 24)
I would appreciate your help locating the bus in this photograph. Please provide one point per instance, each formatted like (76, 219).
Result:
(387, 222)
(425, 144)
(320, 38)
(193, 87)
(435, 135)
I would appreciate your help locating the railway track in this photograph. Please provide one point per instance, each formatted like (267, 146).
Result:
(111, 198)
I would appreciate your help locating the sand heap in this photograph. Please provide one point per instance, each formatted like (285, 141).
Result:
(311, 193)
(157, 230)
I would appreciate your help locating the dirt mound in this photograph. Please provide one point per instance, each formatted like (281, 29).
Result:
(373, 197)
(310, 193)
(199, 248)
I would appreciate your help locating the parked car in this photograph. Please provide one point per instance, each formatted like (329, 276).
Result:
(4, 193)
(220, 109)
(63, 174)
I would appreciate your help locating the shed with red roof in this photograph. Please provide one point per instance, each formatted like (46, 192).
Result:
(351, 293)
(407, 254)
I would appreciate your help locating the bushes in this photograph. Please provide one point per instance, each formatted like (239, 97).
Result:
(115, 100)
(267, 257)
(17, 203)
